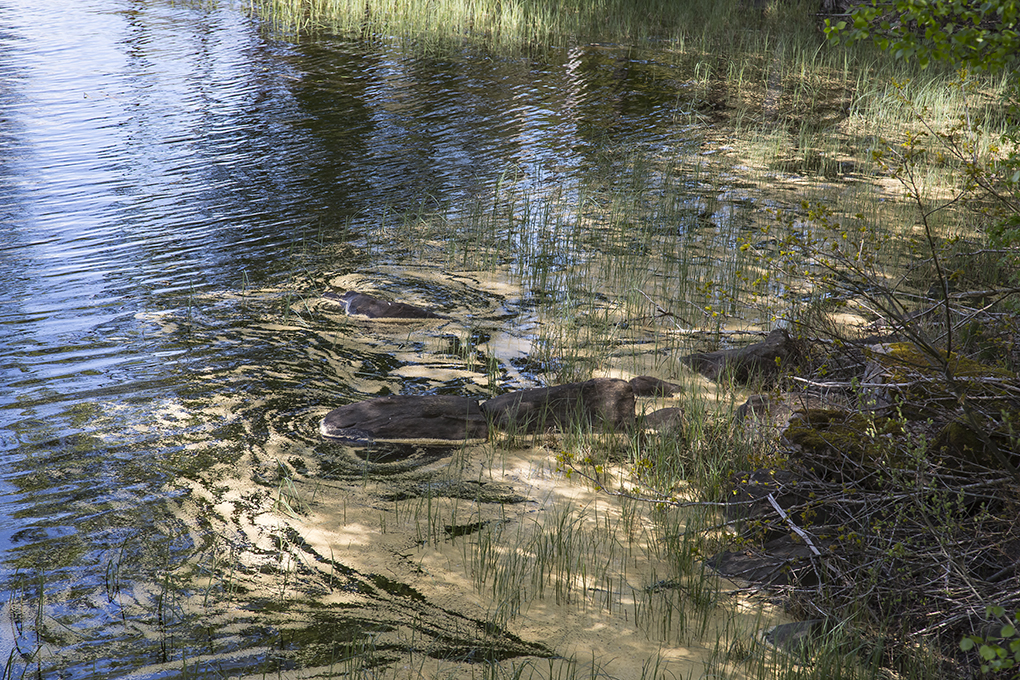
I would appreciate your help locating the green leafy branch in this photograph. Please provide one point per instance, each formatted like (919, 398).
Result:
(998, 653)
(979, 35)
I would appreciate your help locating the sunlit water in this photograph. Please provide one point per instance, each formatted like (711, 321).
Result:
(176, 190)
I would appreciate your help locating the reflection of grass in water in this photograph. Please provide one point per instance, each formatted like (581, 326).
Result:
(774, 74)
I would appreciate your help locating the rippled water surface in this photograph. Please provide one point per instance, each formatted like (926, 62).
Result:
(176, 191)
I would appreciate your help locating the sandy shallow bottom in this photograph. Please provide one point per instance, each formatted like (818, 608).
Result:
(480, 562)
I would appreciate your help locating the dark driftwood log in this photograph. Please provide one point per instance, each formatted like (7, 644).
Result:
(647, 386)
(601, 402)
(374, 308)
(407, 418)
(758, 361)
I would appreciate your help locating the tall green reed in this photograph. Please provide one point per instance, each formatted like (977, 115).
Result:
(530, 24)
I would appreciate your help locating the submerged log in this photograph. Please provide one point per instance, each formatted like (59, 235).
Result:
(761, 360)
(648, 386)
(361, 304)
(600, 402)
(425, 419)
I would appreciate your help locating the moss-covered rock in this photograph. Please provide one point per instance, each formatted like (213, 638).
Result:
(960, 442)
(921, 384)
(850, 442)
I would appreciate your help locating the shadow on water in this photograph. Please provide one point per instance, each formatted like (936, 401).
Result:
(176, 192)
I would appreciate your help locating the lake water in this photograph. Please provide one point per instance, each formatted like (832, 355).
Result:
(177, 189)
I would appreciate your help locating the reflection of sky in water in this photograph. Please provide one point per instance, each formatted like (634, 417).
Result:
(167, 151)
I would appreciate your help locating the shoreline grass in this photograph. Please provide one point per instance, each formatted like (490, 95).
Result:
(529, 24)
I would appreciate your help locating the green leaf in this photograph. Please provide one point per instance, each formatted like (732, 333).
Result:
(967, 644)
(987, 653)
(1007, 631)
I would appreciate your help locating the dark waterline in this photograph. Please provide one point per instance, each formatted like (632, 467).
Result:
(159, 163)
